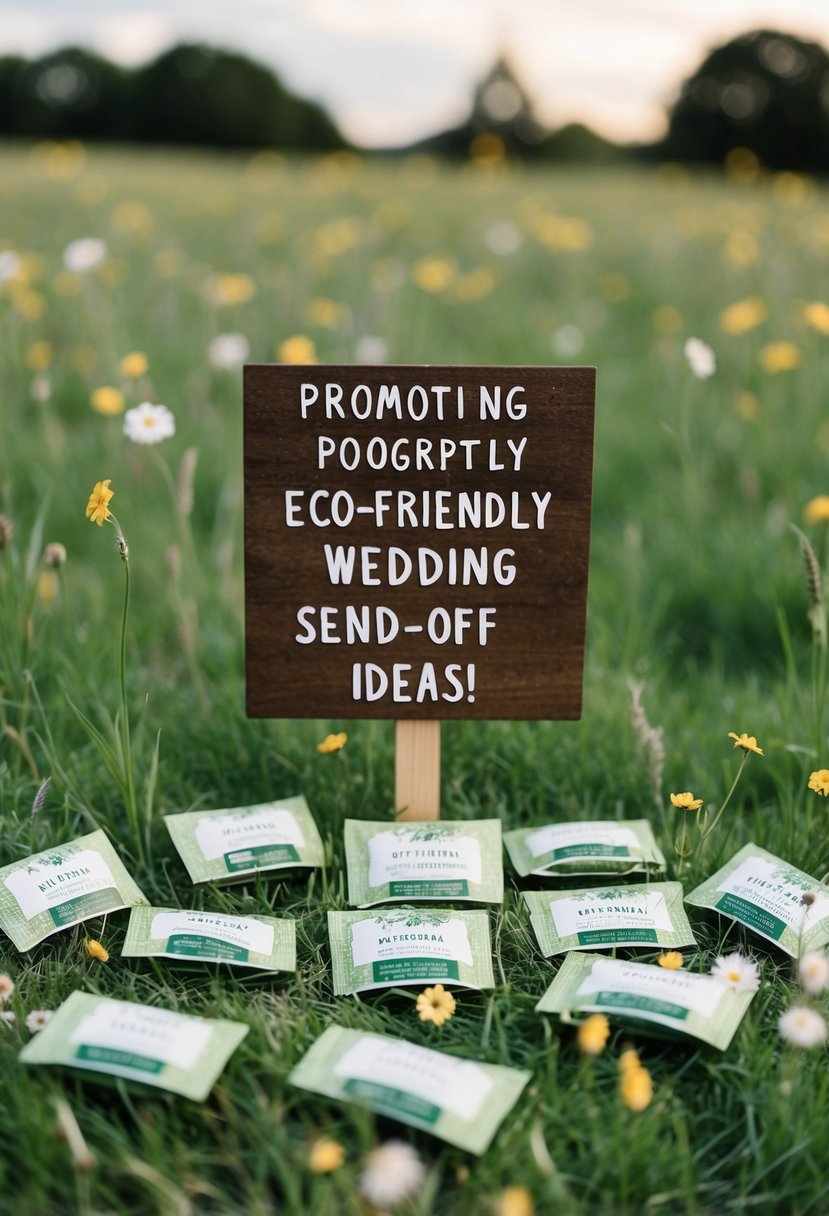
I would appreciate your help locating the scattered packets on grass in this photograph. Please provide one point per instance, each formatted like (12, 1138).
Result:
(156, 1047)
(405, 945)
(228, 844)
(638, 915)
(432, 860)
(600, 847)
(685, 1002)
(62, 886)
(213, 937)
(459, 1101)
(765, 894)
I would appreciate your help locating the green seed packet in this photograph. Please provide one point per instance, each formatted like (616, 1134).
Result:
(638, 915)
(60, 887)
(220, 846)
(432, 860)
(599, 847)
(459, 1101)
(213, 937)
(157, 1047)
(683, 1002)
(765, 894)
(406, 945)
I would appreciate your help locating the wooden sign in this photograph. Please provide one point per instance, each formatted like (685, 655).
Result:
(416, 540)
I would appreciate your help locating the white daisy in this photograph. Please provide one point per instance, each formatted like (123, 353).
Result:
(149, 423)
(37, 1019)
(371, 349)
(737, 972)
(567, 340)
(813, 971)
(7, 1017)
(6, 987)
(227, 351)
(10, 265)
(392, 1172)
(503, 238)
(803, 1026)
(701, 358)
(84, 254)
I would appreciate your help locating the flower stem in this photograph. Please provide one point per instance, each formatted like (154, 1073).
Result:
(126, 741)
(725, 803)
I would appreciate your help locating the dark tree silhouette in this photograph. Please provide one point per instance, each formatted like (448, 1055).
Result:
(70, 92)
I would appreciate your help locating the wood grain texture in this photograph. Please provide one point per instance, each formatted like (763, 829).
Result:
(417, 770)
(530, 664)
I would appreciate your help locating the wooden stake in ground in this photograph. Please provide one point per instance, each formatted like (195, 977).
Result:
(417, 770)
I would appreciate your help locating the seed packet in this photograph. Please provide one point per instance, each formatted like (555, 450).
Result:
(172, 1051)
(60, 887)
(432, 860)
(685, 1002)
(224, 845)
(459, 1101)
(214, 937)
(766, 895)
(640, 915)
(405, 945)
(600, 847)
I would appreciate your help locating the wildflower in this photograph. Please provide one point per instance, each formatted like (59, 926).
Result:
(134, 365)
(743, 316)
(84, 254)
(107, 400)
(47, 587)
(503, 238)
(41, 389)
(686, 801)
(7, 1017)
(593, 1034)
(435, 1005)
(54, 555)
(666, 319)
(325, 1156)
(816, 314)
(515, 1201)
(816, 510)
(737, 972)
(297, 349)
(628, 1060)
(6, 531)
(149, 423)
(701, 358)
(97, 509)
(819, 781)
(813, 972)
(231, 289)
(392, 1172)
(96, 950)
(802, 1026)
(39, 356)
(371, 349)
(567, 340)
(227, 351)
(636, 1088)
(779, 357)
(671, 960)
(11, 265)
(37, 1019)
(6, 987)
(333, 743)
(434, 274)
(747, 742)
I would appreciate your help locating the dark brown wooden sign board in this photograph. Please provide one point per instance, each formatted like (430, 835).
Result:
(417, 540)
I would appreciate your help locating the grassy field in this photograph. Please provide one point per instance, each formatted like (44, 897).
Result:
(697, 589)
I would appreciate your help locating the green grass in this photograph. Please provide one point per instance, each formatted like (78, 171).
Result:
(696, 588)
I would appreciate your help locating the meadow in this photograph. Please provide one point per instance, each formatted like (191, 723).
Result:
(698, 599)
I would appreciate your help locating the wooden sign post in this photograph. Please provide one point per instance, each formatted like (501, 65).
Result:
(416, 548)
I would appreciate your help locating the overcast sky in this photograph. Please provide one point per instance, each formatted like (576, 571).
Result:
(391, 71)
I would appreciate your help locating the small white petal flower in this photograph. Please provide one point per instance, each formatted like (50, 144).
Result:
(813, 971)
(371, 349)
(392, 1172)
(7, 1017)
(227, 351)
(737, 971)
(37, 1019)
(84, 254)
(6, 987)
(149, 423)
(503, 238)
(568, 340)
(803, 1026)
(701, 358)
(10, 265)
(41, 389)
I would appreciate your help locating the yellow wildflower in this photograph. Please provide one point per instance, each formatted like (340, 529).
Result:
(819, 782)
(666, 319)
(671, 960)
(816, 314)
(817, 510)
(434, 274)
(686, 801)
(134, 364)
(743, 316)
(47, 587)
(39, 356)
(779, 357)
(747, 742)
(435, 1005)
(297, 349)
(325, 1156)
(107, 400)
(593, 1034)
(628, 1060)
(96, 950)
(231, 289)
(333, 743)
(97, 509)
(515, 1201)
(324, 312)
(636, 1088)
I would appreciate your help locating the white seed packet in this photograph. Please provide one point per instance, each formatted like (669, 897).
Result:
(62, 886)
(649, 915)
(460, 1101)
(157, 1047)
(229, 844)
(682, 1002)
(431, 860)
(263, 942)
(590, 847)
(404, 945)
(765, 894)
